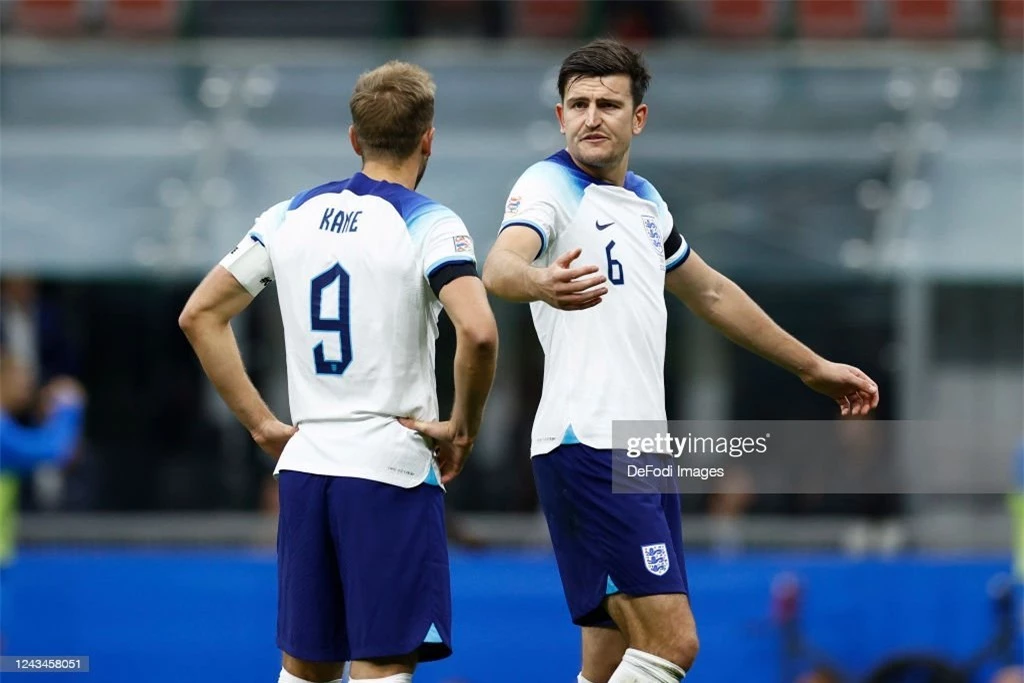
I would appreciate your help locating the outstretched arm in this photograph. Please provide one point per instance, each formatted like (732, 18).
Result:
(206, 321)
(721, 302)
(509, 273)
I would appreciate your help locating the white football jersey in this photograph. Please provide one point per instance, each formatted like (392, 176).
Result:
(607, 362)
(357, 263)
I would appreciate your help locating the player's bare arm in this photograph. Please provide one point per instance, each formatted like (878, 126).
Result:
(476, 353)
(206, 321)
(509, 273)
(722, 303)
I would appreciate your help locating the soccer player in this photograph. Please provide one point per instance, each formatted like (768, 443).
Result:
(602, 326)
(363, 267)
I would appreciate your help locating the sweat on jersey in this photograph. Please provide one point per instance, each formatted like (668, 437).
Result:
(358, 265)
(607, 362)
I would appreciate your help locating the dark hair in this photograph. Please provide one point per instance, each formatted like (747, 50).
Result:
(606, 57)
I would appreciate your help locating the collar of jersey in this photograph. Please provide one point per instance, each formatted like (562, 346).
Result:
(360, 183)
(564, 159)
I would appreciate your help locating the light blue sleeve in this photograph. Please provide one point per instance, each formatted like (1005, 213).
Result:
(441, 239)
(542, 199)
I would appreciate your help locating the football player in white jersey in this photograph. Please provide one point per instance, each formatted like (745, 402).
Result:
(602, 325)
(363, 267)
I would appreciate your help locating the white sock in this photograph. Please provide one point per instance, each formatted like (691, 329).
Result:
(397, 678)
(286, 677)
(643, 667)
(581, 679)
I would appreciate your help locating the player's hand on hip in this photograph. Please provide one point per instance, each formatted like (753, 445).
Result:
(272, 436)
(450, 448)
(854, 391)
(567, 288)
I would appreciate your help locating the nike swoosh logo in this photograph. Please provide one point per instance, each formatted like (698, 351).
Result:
(602, 227)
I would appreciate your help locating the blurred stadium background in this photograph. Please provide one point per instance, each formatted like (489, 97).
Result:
(856, 165)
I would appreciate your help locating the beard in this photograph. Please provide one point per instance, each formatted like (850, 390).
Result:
(596, 158)
(423, 169)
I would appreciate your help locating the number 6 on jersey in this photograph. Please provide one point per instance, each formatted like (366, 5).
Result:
(615, 275)
(339, 324)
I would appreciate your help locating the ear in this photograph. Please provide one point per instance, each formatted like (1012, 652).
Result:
(639, 119)
(354, 140)
(559, 113)
(427, 143)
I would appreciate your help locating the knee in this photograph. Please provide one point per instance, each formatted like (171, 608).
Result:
(680, 648)
(684, 649)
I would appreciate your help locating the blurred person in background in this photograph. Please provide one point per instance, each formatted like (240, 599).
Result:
(32, 329)
(731, 499)
(603, 330)
(363, 268)
(52, 440)
(1010, 674)
(1016, 509)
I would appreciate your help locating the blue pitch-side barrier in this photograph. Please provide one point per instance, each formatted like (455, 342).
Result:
(172, 616)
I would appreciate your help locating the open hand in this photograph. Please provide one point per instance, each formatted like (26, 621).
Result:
(569, 289)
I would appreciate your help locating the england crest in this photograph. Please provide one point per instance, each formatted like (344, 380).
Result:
(651, 226)
(656, 558)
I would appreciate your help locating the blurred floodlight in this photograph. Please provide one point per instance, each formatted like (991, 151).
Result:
(855, 254)
(946, 84)
(872, 194)
(900, 93)
(259, 86)
(215, 91)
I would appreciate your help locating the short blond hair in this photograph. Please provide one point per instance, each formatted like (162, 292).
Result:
(392, 107)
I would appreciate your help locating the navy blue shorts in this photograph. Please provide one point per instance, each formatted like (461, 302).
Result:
(607, 543)
(362, 570)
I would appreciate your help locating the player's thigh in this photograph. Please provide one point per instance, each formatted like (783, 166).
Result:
(659, 624)
(310, 618)
(393, 561)
(637, 538)
(603, 648)
(584, 577)
(605, 542)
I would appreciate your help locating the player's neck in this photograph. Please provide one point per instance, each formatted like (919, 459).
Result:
(405, 173)
(616, 175)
